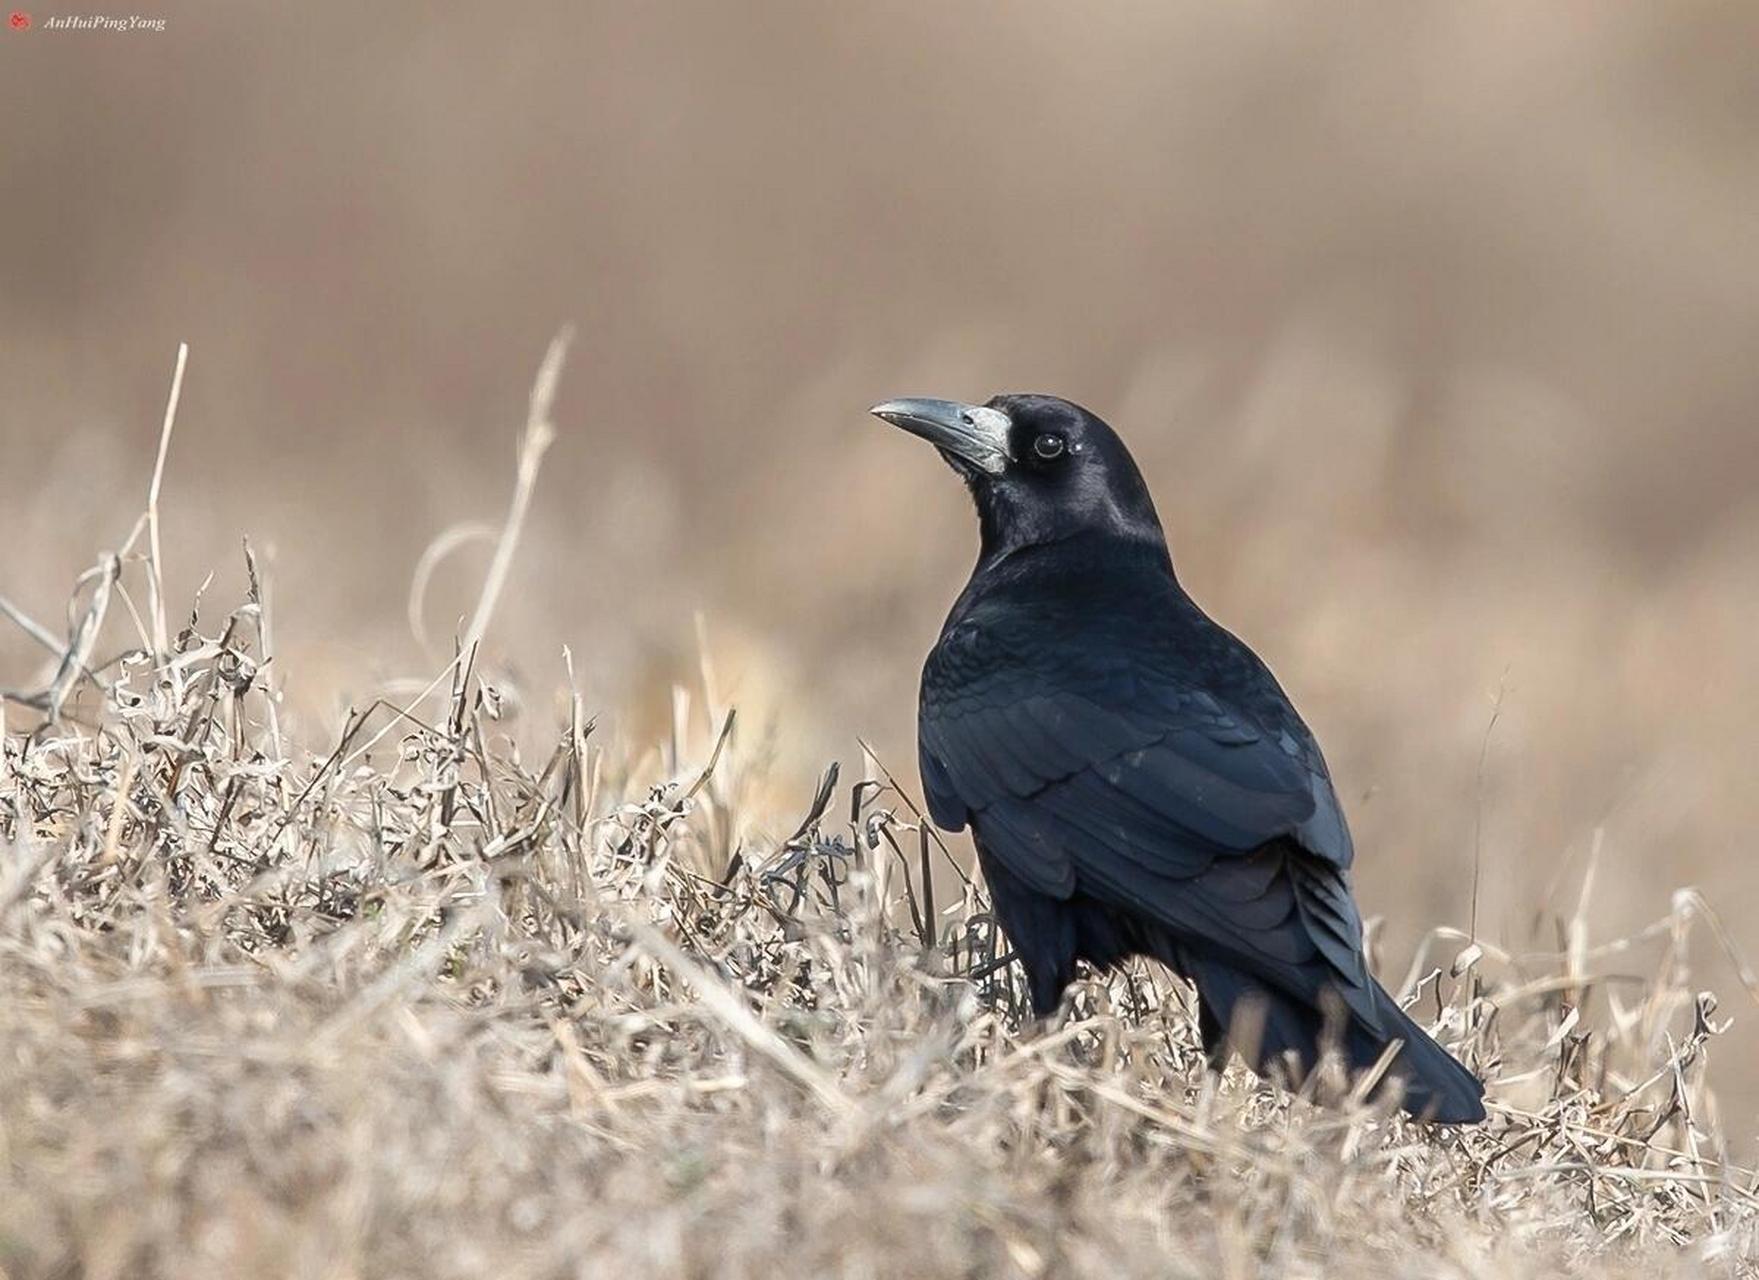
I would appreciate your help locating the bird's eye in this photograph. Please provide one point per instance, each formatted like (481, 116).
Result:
(1049, 445)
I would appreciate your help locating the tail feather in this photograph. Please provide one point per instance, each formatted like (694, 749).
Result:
(1271, 1028)
(1437, 1086)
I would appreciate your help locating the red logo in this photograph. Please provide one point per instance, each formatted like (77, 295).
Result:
(21, 21)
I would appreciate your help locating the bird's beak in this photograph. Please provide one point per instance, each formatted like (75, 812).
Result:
(971, 433)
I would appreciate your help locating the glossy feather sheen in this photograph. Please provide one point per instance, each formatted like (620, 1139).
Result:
(1137, 782)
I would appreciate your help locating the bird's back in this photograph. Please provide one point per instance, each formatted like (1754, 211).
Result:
(1108, 622)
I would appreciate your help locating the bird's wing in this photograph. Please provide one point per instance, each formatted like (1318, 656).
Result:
(1176, 784)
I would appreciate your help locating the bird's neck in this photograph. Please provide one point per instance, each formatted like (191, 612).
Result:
(1075, 562)
(1101, 529)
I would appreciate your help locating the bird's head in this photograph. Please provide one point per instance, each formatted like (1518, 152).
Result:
(1040, 469)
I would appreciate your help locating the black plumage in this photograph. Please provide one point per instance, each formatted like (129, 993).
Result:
(1135, 780)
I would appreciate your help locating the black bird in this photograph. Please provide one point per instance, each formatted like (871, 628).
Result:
(1135, 780)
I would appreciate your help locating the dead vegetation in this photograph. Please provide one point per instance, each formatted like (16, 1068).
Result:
(409, 1003)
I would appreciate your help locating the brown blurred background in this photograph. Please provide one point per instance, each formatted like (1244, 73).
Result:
(1434, 329)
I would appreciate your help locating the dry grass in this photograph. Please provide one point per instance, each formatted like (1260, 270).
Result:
(411, 1004)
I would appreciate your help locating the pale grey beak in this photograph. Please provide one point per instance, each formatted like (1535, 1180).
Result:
(969, 432)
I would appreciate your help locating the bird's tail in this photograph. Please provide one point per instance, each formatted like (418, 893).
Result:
(1270, 1028)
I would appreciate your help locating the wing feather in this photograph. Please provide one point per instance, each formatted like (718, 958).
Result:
(1151, 793)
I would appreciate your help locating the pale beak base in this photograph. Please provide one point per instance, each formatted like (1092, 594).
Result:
(972, 433)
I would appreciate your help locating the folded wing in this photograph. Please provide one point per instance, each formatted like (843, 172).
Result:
(1115, 778)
